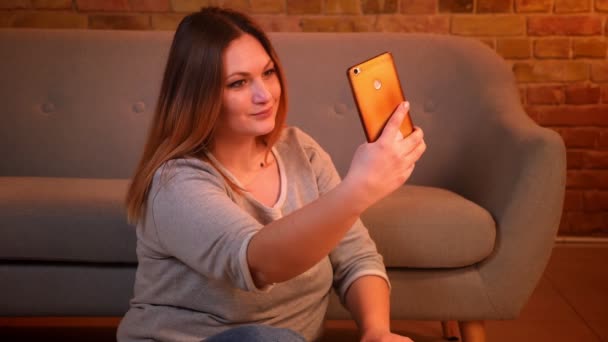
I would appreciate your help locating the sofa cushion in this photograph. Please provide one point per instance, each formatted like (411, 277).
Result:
(426, 227)
(84, 220)
(65, 219)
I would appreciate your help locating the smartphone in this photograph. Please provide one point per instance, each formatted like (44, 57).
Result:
(377, 93)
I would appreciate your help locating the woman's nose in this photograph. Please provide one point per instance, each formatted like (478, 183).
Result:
(261, 94)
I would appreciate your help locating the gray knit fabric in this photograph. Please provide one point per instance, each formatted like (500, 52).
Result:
(193, 280)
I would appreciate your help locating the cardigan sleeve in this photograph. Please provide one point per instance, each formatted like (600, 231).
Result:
(356, 254)
(198, 223)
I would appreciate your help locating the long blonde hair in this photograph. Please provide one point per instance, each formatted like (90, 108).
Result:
(189, 102)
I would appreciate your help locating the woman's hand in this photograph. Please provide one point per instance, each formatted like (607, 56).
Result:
(379, 168)
(376, 170)
(384, 336)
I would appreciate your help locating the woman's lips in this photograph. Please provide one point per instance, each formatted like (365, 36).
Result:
(263, 113)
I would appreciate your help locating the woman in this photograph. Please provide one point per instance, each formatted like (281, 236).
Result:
(242, 225)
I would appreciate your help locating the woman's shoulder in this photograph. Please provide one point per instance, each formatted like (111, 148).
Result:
(295, 136)
(184, 165)
(183, 170)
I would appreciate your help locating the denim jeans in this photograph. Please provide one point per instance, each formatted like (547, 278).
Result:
(256, 333)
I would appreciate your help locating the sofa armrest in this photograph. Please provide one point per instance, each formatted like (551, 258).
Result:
(65, 219)
(521, 182)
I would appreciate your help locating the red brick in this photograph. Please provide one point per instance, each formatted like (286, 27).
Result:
(304, 6)
(6, 19)
(119, 22)
(166, 21)
(279, 23)
(551, 71)
(103, 5)
(342, 7)
(399, 23)
(150, 5)
(500, 25)
(15, 4)
(239, 5)
(599, 71)
(572, 6)
(587, 223)
(579, 137)
(604, 93)
(267, 6)
(379, 6)
(418, 7)
(532, 112)
(587, 179)
(603, 140)
(564, 225)
(573, 200)
(513, 48)
(533, 5)
(582, 94)
(52, 19)
(52, 4)
(588, 115)
(601, 5)
(596, 200)
(494, 6)
(193, 5)
(564, 25)
(574, 159)
(551, 95)
(522, 94)
(589, 47)
(552, 48)
(595, 160)
(456, 6)
(337, 24)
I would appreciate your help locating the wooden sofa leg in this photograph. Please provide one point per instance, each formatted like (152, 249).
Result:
(472, 331)
(450, 330)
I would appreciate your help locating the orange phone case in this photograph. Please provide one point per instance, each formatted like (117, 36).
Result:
(377, 92)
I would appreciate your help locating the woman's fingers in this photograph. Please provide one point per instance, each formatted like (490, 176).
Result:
(392, 130)
(383, 166)
(409, 143)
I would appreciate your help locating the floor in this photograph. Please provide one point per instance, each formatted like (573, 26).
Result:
(569, 304)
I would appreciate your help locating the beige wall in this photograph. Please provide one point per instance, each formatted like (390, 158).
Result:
(557, 49)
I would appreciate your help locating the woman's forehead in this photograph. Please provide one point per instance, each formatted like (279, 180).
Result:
(245, 53)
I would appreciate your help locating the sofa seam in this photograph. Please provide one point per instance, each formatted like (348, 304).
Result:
(485, 291)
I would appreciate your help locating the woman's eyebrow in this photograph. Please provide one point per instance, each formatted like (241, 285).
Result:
(245, 73)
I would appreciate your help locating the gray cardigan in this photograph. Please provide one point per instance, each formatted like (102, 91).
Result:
(193, 280)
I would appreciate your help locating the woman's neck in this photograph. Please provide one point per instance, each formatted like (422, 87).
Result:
(240, 155)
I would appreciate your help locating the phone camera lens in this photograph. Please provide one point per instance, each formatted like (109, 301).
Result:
(357, 71)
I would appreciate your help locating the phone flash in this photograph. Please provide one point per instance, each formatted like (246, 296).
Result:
(377, 84)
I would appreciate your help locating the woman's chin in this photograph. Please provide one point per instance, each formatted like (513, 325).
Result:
(266, 126)
(266, 130)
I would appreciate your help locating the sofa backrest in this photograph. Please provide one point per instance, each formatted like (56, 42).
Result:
(78, 103)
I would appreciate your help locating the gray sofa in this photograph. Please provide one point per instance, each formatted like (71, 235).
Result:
(466, 239)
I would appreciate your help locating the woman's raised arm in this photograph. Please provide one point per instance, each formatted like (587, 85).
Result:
(291, 245)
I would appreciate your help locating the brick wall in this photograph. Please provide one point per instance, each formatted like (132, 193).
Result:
(557, 49)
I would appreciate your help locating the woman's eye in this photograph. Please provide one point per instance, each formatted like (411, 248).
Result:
(270, 72)
(236, 84)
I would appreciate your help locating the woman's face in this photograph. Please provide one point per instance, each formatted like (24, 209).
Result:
(251, 90)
